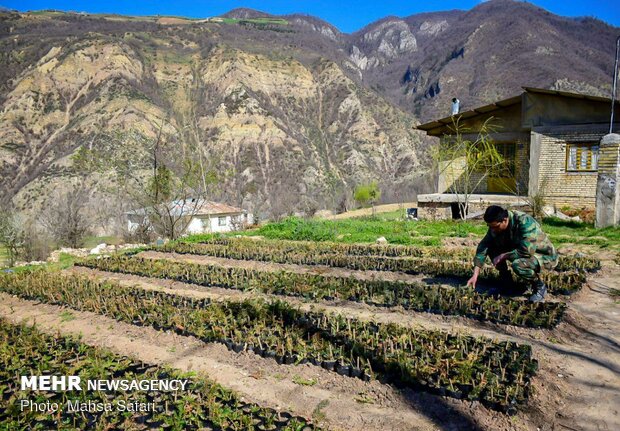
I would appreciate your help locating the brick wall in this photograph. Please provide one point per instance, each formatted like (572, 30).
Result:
(575, 189)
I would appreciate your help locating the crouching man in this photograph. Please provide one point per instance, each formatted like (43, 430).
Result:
(516, 238)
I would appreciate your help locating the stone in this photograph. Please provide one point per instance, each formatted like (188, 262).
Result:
(381, 241)
(607, 189)
(433, 211)
(98, 249)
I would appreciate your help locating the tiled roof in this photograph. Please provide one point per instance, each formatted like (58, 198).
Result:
(193, 207)
(210, 207)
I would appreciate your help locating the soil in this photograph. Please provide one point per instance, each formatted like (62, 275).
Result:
(577, 386)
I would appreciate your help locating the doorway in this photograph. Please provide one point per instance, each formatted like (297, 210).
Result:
(503, 179)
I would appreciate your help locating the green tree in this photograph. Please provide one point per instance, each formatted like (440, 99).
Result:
(367, 194)
(11, 235)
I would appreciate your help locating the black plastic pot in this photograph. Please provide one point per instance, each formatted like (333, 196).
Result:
(343, 370)
(238, 348)
(356, 372)
(328, 365)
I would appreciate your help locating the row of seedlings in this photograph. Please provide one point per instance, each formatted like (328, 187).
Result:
(409, 295)
(202, 405)
(566, 262)
(496, 374)
(564, 283)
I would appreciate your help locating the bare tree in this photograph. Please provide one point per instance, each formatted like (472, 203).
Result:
(164, 185)
(65, 217)
(467, 162)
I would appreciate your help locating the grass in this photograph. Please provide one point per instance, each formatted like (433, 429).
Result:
(615, 294)
(364, 398)
(303, 382)
(368, 229)
(425, 233)
(66, 316)
(318, 415)
(567, 231)
(64, 261)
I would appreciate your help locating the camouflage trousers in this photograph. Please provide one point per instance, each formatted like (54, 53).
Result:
(528, 268)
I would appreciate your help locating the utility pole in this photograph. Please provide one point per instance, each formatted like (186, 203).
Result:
(613, 91)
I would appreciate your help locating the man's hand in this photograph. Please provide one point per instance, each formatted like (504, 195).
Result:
(499, 259)
(474, 278)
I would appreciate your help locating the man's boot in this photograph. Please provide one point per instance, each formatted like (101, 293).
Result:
(539, 290)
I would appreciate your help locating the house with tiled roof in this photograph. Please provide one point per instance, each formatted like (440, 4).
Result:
(204, 216)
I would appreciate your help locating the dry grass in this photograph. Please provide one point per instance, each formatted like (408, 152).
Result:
(368, 211)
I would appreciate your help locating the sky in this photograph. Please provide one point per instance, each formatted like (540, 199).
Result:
(347, 15)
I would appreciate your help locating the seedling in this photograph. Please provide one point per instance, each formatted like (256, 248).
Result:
(304, 382)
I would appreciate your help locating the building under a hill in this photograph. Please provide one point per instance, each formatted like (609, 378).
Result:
(548, 139)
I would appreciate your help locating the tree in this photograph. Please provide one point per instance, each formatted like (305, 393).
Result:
(11, 235)
(367, 194)
(467, 160)
(162, 181)
(537, 199)
(65, 217)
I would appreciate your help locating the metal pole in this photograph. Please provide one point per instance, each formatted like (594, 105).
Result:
(613, 91)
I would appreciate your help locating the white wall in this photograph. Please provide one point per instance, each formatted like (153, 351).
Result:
(202, 224)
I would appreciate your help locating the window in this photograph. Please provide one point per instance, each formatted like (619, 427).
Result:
(507, 151)
(582, 157)
(221, 221)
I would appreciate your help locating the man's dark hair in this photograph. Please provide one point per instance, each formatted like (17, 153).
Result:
(495, 213)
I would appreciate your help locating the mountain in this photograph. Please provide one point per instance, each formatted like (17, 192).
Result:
(291, 112)
(485, 54)
(285, 127)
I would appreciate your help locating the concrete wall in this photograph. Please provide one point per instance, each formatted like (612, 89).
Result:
(449, 173)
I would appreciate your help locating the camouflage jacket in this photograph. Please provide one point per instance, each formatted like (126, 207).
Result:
(523, 238)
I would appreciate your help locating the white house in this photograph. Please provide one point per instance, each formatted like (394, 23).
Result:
(205, 216)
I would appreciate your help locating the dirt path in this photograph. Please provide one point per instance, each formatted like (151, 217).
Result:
(368, 211)
(578, 385)
(335, 401)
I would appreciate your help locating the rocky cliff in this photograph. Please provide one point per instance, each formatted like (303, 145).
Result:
(291, 112)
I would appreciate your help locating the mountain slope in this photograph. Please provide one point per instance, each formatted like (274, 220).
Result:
(291, 133)
(291, 112)
(489, 53)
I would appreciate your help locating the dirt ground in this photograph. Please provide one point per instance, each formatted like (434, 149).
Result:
(577, 386)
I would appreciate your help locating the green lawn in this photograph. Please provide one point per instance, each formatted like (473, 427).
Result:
(398, 231)
(65, 261)
(261, 21)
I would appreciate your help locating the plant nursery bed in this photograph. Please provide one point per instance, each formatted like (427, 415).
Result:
(497, 374)
(333, 401)
(577, 384)
(563, 282)
(416, 296)
(205, 405)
